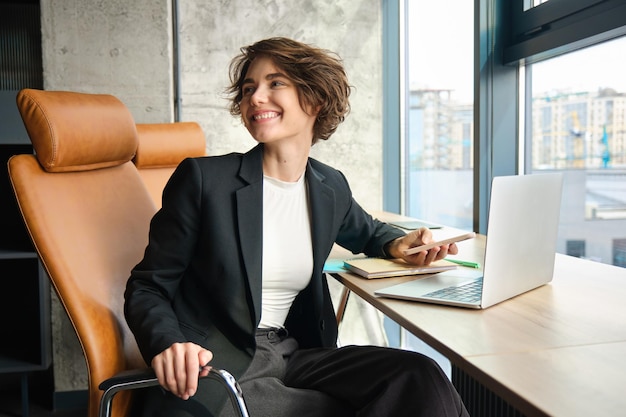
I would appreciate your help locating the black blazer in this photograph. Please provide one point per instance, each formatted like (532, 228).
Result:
(200, 278)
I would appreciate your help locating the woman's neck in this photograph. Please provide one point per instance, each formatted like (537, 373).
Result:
(285, 164)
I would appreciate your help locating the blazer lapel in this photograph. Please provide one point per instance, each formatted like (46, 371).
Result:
(322, 203)
(250, 222)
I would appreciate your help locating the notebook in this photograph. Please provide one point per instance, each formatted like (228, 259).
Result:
(384, 268)
(519, 253)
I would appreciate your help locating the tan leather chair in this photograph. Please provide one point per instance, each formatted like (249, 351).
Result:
(88, 211)
(161, 147)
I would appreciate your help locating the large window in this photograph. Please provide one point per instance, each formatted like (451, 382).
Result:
(575, 107)
(550, 95)
(439, 106)
(578, 116)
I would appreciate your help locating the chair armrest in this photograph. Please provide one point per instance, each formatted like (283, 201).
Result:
(142, 378)
(130, 379)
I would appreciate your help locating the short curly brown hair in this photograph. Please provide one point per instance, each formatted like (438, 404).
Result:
(318, 74)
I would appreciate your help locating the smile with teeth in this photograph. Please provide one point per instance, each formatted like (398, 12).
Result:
(266, 115)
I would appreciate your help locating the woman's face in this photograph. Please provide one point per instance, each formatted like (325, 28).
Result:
(270, 107)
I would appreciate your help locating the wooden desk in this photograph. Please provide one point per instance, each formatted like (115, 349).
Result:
(559, 350)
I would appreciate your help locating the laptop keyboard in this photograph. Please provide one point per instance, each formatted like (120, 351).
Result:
(469, 292)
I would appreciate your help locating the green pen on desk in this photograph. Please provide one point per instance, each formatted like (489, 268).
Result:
(469, 264)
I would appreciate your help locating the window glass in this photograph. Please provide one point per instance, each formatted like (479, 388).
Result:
(579, 128)
(439, 124)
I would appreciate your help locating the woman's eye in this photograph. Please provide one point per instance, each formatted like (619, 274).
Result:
(246, 91)
(277, 83)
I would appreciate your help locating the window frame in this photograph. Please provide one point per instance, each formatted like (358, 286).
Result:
(392, 105)
(560, 26)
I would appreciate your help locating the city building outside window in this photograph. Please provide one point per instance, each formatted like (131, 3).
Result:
(578, 119)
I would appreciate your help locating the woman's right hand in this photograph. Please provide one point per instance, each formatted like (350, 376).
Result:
(179, 367)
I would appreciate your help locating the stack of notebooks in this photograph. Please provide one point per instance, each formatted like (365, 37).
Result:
(384, 268)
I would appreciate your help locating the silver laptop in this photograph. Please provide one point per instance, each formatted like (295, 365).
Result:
(520, 248)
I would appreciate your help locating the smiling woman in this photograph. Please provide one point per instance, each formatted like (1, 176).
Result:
(272, 112)
(259, 305)
(311, 81)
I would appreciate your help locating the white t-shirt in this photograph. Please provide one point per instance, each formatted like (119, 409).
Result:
(287, 247)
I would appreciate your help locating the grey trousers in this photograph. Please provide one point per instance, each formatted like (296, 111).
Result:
(363, 381)
(349, 381)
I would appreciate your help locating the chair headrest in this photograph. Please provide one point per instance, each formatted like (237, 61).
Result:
(73, 131)
(167, 144)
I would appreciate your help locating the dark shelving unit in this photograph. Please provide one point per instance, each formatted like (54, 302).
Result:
(24, 286)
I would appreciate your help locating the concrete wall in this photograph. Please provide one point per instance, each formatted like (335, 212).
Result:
(124, 48)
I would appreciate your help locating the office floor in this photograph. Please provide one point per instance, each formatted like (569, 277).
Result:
(10, 406)
(36, 411)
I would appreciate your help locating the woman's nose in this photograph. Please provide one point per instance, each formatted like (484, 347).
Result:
(258, 97)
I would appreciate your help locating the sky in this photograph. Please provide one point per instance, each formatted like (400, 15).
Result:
(588, 69)
(440, 45)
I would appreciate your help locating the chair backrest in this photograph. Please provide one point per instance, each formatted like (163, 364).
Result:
(161, 147)
(88, 212)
